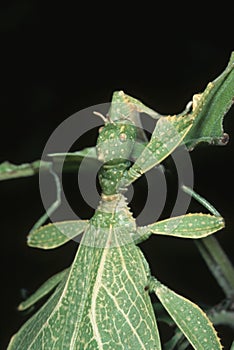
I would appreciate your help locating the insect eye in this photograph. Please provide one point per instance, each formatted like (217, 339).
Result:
(123, 137)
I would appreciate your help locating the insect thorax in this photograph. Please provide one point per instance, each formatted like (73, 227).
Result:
(114, 147)
(110, 176)
(112, 224)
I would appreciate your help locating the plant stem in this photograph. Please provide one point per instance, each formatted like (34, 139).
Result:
(222, 318)
(218, 263)
(213, 254)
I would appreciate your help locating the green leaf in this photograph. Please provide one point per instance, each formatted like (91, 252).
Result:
(209, 109)
(11, 171)
(191, 320)
(54, 235)
(185, 226)
(44, 289)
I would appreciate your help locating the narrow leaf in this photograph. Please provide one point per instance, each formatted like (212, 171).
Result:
(185, 226)
(44, 289)
(209, 109)
(54, 235)
(192, 321)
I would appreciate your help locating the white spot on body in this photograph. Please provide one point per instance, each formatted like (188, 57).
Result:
(123, 137)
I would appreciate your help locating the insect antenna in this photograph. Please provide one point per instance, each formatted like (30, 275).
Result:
(105, 119)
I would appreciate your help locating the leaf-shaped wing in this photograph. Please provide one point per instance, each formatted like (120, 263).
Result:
(192, 321)
(102, 302)
(54, 235)
(185, 226)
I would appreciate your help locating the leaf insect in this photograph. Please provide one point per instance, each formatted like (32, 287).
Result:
(102, 300)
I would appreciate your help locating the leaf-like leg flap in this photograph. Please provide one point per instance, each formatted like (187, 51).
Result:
(11, 171)
(191, 320)
(43, 290)
(168, 134)
(54, 235)
(185, 226)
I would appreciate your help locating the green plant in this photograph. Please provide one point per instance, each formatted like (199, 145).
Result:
(103, 300)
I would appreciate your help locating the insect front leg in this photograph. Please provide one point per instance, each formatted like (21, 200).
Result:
(53, 206)
(167, 135)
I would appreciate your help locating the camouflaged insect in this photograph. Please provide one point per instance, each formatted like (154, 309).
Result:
(102, 300)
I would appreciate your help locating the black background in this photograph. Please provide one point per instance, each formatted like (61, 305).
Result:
(59, 58)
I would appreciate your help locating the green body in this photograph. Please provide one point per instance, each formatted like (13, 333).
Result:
(102, 301)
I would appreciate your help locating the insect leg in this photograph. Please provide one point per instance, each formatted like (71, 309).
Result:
(53, 206)
(200, 200)
(167, 135)
(212, 252)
